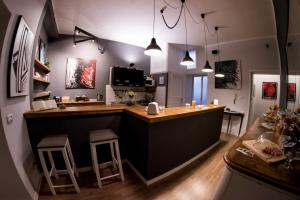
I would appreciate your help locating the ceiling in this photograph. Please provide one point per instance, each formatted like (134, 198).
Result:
(130, 21)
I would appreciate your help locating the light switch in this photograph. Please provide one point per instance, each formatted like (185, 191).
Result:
(9, 118)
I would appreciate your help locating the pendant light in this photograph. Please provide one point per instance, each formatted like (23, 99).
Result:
(219, 74)
(207, 68)
(187, 60)
(153, 49)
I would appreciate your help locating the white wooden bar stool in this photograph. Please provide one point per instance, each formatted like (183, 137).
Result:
(106, 136)
(57, 143)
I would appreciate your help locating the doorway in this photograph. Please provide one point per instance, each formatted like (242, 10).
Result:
(200, 89)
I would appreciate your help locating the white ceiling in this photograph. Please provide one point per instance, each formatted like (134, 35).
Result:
(130, 21)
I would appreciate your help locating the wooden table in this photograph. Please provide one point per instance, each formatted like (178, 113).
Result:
(275, 174)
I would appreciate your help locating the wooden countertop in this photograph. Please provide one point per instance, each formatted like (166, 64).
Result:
(135, 110)
(274, 174)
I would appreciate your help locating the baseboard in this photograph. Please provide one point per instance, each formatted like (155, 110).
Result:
(168, 173)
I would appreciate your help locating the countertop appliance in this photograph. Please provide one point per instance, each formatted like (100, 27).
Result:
(149, 82)
(153, 108)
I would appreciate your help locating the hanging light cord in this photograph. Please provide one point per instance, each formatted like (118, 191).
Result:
(162, 14)
(171, 6)
(205, 37)
(219, 56)
(153, 19)
(196, 21)
(185, 30)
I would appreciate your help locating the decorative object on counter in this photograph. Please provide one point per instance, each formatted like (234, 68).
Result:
(153, 108)
(99, 97)
(81, 98)
(87, 37)
(131, 94)
(232, 75)
(20, 60)
(271, 115)
(194, 103)
(81, 73)
(149, 97)
(269, 90)
(43, 105)
(291, 92)
(216, 102)
(153, 49)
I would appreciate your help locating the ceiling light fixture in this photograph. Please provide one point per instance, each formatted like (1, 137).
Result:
(207, 68)
(218, 74)
(153, 49)
(187, 60)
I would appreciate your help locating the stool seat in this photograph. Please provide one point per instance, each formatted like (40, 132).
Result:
(53, 141)
(102, 135)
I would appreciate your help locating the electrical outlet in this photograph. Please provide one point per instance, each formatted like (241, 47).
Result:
(9, 118)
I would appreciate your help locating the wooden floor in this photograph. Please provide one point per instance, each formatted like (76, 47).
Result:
(198, 181)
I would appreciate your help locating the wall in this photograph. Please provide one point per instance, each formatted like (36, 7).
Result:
(116, 54)
(251, 54)
(15, 134)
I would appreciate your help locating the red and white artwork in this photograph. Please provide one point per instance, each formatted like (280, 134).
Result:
(81, 73)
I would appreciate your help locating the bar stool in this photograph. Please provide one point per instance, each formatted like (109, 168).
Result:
(106, 136)
(57, 143)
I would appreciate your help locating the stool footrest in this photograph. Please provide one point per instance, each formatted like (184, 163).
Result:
(111, 176)
(59, 186)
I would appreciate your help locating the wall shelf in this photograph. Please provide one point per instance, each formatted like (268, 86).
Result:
(42, 94)
(41, 80)
(41, 66)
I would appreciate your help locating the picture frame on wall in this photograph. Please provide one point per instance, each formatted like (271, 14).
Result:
(20, 60)
(232, 75)
(81, 73)
(42, 51)
(291, 92)
(269, 90)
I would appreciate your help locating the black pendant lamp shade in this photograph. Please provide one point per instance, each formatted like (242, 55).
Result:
(207, 67)
(187, 60)
(153, 49)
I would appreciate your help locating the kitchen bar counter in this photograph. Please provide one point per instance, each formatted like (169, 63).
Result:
(155, 146)
(136, 110)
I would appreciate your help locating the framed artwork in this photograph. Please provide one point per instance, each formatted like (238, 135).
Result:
(20, 60)
(81, 73)
(42, 51)
(269, 90)
(232, 75)
(291, 92)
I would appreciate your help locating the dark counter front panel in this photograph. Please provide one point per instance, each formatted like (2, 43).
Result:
(77, 128)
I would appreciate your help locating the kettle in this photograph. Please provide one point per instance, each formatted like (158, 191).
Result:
(153, 108)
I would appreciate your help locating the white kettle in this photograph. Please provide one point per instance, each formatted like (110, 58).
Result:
(153, 108)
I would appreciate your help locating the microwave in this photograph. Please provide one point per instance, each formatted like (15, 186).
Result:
(149, 82)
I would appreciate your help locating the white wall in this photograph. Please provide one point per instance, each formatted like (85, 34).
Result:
(159, 63)
(15, 134)
(253, 56)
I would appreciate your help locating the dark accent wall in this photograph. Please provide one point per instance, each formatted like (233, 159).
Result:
(115, 54)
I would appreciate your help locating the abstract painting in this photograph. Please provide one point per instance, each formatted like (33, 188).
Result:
(232, 75)
(269, 90)
(291, 92)
(20, 60)
(81, 73)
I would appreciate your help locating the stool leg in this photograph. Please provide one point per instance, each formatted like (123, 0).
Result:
(46, 173)
(112, 151)
(95, 164)
(72, 158)
(119, 160)
(52, 164)
(70, 171)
